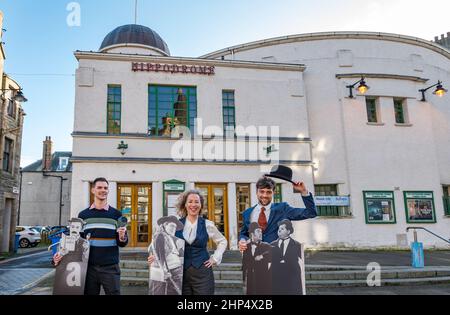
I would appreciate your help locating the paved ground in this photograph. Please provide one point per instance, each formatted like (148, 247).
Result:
(20, 273)
(16, 276)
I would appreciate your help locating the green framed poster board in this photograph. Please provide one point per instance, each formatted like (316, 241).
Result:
(419, 207)
(379, 207)
(171, 190)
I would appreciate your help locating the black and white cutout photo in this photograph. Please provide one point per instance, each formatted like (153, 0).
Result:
(70, 274)
(166, 271)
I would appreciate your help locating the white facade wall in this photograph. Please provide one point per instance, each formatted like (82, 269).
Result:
(359, 156)
(314, 104)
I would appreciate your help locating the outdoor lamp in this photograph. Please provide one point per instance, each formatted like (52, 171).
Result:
(362, 87)
(122, 147)
(440, 91)
(19, 97)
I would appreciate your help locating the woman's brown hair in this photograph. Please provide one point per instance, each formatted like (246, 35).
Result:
(182, 199)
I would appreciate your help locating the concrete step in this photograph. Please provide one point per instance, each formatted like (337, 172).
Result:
(218, 275)
(385, 274)
(133, 264)
(220, 283)
(383, 282)
(228, 275)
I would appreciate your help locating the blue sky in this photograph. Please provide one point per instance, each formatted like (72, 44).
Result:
(39, 43)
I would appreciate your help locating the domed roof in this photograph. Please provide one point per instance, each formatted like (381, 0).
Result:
(135, 34)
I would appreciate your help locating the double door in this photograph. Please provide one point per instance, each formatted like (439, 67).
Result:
(216, 204)
(134, 201)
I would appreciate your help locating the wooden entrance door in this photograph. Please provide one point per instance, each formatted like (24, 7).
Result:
(135, 202)
(216, 198)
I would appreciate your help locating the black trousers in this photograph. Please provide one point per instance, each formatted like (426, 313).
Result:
(198, 281)
(107, 277)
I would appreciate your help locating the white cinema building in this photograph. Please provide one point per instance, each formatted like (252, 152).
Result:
(377, 162)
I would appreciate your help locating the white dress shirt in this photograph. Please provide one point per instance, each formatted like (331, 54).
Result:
(255, 213)
(286, 243)
(190, 233)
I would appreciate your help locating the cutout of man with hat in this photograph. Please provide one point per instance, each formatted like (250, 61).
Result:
(268, 214)
(166, 273)
(256, 263)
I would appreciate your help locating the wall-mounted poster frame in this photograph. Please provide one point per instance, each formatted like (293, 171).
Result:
(419, 207)
(379, 207)
(171, 190)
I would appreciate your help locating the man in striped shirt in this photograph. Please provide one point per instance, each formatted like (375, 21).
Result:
(105, 240)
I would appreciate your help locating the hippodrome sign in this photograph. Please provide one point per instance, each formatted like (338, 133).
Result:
(171, 68)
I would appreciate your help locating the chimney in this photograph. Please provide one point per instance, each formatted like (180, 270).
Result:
(47, 154)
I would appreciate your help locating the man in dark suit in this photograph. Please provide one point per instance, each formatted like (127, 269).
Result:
(255, 263)
(287, 262)
(268, 214)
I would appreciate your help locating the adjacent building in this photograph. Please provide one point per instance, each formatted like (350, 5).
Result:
(378, 162)
(11, 123)
(443, 41)
(45, 189)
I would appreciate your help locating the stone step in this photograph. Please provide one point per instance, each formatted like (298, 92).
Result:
(218, 275)
(219, 284)
(229, 291)
(385, 274)
(383, 282)
(142, 264)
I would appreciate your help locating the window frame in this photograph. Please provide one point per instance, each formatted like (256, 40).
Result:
(190, 109)
(113, 131)
(377, 109)
(9, 154)
(226, 107)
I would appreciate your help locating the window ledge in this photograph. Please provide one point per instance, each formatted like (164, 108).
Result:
(375, 124)
(403, 125)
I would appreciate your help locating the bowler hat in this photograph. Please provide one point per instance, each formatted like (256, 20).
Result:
(173, 219)
(281, 172)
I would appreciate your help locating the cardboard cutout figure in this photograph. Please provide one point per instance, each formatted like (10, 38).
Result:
(70, 273)
(288, 262)
(166, 272)
(256, 263)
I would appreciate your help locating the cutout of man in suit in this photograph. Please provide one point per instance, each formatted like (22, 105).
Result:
(70, 275)
(287, 262)
(256, 263)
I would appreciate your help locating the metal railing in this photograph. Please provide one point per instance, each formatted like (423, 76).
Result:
(422, 228)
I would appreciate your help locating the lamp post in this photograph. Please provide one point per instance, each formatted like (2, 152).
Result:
(440, 91)
(362, 88)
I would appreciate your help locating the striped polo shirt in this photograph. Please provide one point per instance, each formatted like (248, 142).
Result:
(102, 224)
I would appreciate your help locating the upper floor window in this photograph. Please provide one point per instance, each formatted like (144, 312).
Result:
(11, 108)
(114, 109)
(372, 110)
(400, 111)
(169, 107)
(229, 113)
(7, 155)
(277, 196)
(63, 162)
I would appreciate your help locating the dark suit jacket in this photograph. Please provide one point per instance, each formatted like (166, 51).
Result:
(257, 273)
(278, 212)
(286, 271)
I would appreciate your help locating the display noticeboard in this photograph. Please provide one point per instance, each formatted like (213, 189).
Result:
(419, 207)
(171, 190)
(379, 207)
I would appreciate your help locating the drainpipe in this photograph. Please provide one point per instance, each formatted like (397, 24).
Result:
(60, 193)
(20, 197)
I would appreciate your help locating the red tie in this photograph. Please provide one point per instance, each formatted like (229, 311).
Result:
(262, 220)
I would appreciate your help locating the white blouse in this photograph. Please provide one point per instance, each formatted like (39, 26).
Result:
(190, 233)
